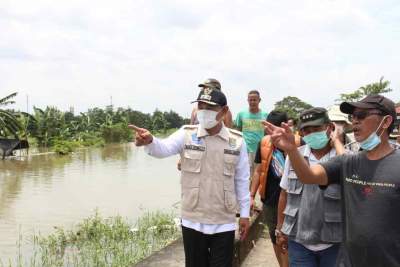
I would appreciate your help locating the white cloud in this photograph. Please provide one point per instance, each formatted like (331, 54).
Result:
(149, 54)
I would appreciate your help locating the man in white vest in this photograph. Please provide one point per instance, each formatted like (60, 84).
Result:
(214, 181)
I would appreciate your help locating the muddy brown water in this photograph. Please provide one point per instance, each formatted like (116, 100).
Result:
(40, 192)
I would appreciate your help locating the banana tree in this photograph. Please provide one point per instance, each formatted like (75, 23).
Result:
(9, 124)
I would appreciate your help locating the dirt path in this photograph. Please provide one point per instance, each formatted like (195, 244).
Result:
(262, 255)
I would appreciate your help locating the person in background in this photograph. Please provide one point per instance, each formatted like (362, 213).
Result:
(343, 128)
(315, 233)
(249, 122)
(214, 180)
(267, 175)
(212, 84)
(369, 183)
(292, 124)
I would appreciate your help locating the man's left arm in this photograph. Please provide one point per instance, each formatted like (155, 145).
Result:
(242, 176)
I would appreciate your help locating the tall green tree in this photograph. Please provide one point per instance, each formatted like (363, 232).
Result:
(159, 122)
(380, 87)
(173, 119)
(50, 124)
(9, 124)
(292, 105)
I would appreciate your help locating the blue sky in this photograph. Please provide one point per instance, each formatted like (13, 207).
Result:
(148, 54)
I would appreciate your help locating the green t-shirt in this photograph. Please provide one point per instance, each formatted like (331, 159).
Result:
(252, 128)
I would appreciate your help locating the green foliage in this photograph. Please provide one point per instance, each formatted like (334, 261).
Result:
(93, 128)
(292, 105)
(90, 139)
(159, 121)
(99, 241)
(49, 125)
(9, 124)
(173, 119)
(64, 147)
(380, 87)
(116, 133)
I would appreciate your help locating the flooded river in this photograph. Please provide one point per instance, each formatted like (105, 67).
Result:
(40, 192)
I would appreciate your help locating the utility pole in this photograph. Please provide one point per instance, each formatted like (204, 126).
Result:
(27, 103)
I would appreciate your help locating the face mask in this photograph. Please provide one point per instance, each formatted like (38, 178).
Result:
(207, 118)
(373, 140)
(316, 140)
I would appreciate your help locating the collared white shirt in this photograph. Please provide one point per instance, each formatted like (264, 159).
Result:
(312, 160)
(174, 144)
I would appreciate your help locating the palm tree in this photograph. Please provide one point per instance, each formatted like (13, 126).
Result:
(380, 87)
(9, 124)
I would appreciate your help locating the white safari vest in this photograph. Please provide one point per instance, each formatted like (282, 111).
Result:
(207, 175)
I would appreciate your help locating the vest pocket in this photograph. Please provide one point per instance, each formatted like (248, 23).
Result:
(230, 162)
(294, 185)
(192, 161)
(190, 198)
(290, 219)
(333, 192)
(230, 196)
(332, 226)
(332, 230)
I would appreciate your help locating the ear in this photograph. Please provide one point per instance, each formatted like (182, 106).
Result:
(222, 112)
(387, 122)
(330, 128)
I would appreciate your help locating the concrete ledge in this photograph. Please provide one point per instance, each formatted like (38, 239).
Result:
(173, 254)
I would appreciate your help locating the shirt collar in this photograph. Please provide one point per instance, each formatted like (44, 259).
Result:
(223, 133)
(308, 153)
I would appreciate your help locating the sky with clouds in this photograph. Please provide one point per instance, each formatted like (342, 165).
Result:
(152, 54)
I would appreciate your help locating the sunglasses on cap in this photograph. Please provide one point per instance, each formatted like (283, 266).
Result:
(362, 114)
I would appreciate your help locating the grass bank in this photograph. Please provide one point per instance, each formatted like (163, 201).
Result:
(98, 241)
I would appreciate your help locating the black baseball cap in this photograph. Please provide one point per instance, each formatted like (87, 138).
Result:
(313, 117)
(379, 102)
(212, 97)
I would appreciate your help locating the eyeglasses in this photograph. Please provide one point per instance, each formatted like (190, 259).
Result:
(362, 114)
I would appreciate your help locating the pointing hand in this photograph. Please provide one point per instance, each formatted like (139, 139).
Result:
(142, 136)
(281, 137)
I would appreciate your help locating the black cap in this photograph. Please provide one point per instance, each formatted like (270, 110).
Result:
(211, 96)
(313, 117)
(379, 102)
(277, 117)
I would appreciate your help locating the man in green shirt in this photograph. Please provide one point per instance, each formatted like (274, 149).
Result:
(249, 122)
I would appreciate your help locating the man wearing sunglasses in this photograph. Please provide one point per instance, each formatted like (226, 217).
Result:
(369, 180)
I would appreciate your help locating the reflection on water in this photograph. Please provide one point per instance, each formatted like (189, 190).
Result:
(40, 192)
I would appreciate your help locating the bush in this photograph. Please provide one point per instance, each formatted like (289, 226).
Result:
(63, 147)
(91, 139)
(116, 133)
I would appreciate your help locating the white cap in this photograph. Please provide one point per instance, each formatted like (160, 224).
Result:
(335, 114)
